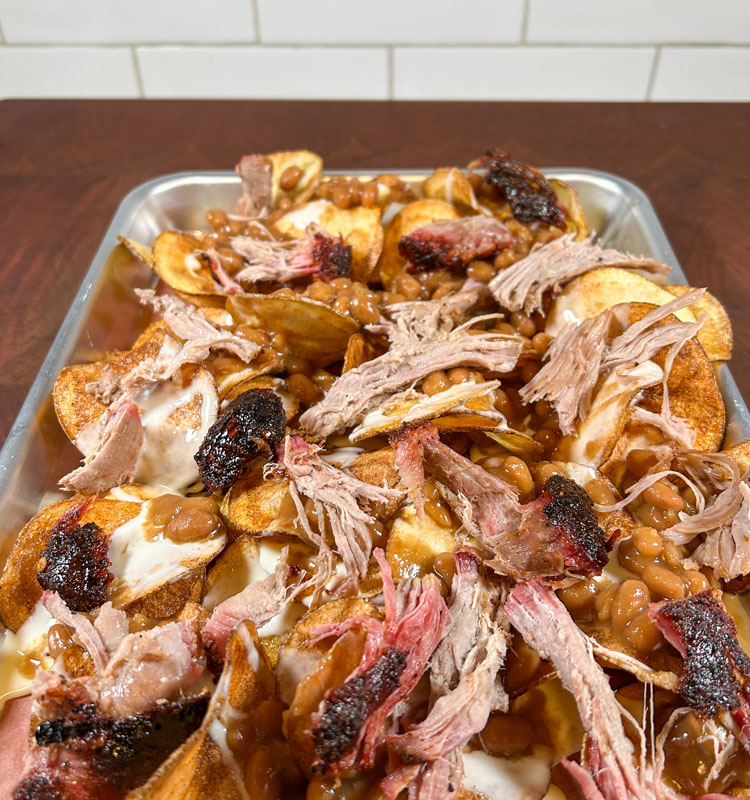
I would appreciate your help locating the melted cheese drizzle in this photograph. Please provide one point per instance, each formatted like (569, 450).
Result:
(143, 563)
(526, 778)
(166, 456)
(26, 647)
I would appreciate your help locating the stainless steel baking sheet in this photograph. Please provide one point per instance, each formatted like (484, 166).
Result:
(105, 314)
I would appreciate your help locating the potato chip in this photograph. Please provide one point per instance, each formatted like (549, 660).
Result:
(593, 292)
(452, 185)
(140, 251)
(312, 330)
(288, 400)
(569, 199)
(741, 454)
(408, 219)
(359, 349)
(257, 506)
(176, 260)
(359, 227)
(716, 333)
(310, 167)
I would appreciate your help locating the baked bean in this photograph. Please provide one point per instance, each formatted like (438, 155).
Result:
(435, 382)
(342, 196)
(545, 471)
(642, 634)
(506, 734)
(630, 598)
(697, 581)
(285, 204)
(541, 342)
(672, 554)
(517, 473)
(290, 178)
(446, 288)
(325, 190)
(435, 506)
(217, 218)
(658, 518)
(521, 664)
(370, 194)
(323, 379)
(603, 602)
(523, 323)
(307, 392)
(548, 438)
(408, 286)
(321, 291)
(647, 542)
(663, 582)
(630, 558)
(481, 271)
(58, 639)
(579, 598)
(262, 778)
(529, 369)
(663, 496)
(355, 188)
(444, 566)
(640, 461)
(542, 408)
(459, 375)
(505, 327)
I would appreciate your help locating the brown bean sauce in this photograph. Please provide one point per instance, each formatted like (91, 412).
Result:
(183, 519)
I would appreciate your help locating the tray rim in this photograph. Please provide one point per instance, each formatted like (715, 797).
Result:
(52, 363)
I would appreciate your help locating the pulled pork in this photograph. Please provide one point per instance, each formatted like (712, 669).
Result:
(341, 504)
(422, 340)
(716, 674)
(580, 354)
(556, 534)
(464, 679)
(316, 254)
(119, 437)
(546, 625)
(522, 285)
(351, 720)
(102, 735)
(255, 172)
(454, 243)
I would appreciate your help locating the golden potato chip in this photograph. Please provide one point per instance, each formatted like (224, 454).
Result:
(176, 260)
(569, 199)
(452, 185)
(414, 542)
(205, 302)
(256, 506)
(313, 330)
(593, 292)
(19, 588)
(140, 251)
(740, 452)
(359, 227)
(413, 216)
(308, 166)
(716, 333)
(520, 444)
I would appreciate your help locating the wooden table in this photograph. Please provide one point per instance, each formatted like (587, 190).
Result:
(65, 165)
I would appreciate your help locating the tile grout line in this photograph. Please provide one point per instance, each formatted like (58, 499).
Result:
(652, 76)
(390, 74)
(137, 68)
(525, 21)
(256, 20)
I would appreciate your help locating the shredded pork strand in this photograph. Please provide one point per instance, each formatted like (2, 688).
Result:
(199, 337)
(522, 285)
(580, 354)
(545, 624)
(119, 438)
(342, 504)
(726, 549)
(415, 352)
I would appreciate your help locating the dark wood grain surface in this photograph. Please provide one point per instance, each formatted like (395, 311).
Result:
(65, 166)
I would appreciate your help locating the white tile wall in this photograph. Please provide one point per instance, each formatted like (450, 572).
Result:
(639, 21)
(690, 73)
(260, 72)
(67, 72)
(521, 73)
(126, 21)
(374, 49)
(391, 21)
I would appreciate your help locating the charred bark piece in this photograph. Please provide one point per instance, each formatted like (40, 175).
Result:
(331, 256)
(74, 564)
(39, 787)
(528, 193)
(716, 674)
(570, 512)
(348, 706)
(252, 425)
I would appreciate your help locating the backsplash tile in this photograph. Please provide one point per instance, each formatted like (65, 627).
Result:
(691, 73)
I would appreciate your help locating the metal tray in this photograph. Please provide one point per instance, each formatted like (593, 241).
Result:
(105, 314)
